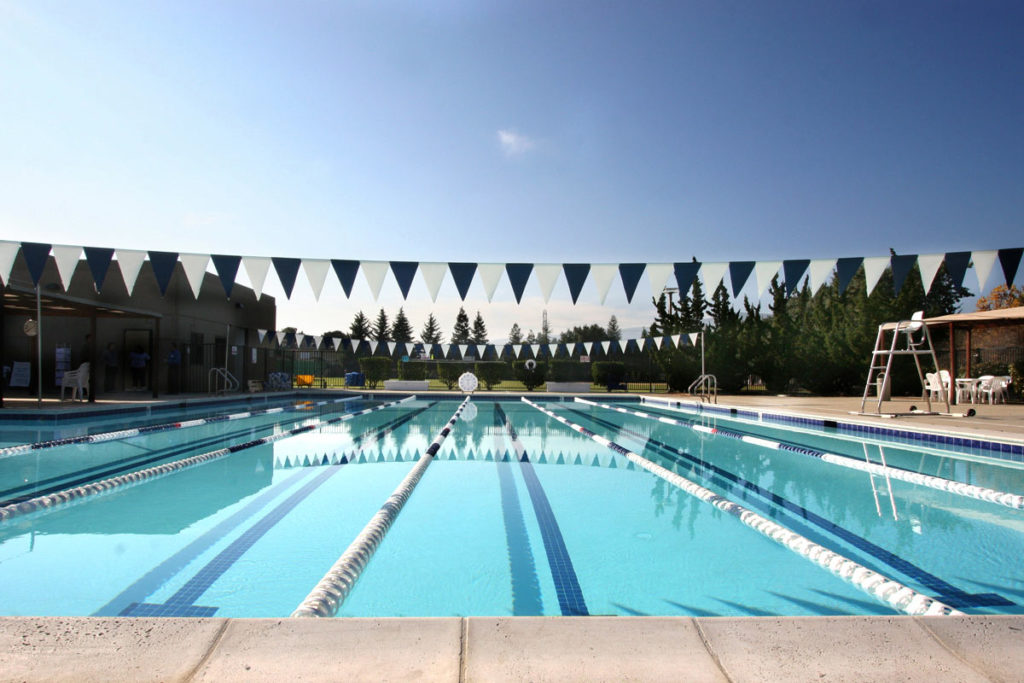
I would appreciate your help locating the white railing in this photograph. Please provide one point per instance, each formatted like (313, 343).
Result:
(221, 381)
(705, 387)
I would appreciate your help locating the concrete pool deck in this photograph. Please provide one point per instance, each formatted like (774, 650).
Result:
(514, 649)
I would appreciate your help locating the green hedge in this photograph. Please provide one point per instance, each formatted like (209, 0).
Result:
(376, 369)
(449, 373)
(608, 373)
(491, 373)
(412, 371)
(564, 370)
(531, 378)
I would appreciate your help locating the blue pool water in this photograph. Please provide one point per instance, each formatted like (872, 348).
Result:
(517, 515)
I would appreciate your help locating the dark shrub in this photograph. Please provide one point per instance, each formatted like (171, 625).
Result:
(412, 371)
(449, 373)
(609, 373)
(491, 373)
(531, 378)
(564, 370)
(376, 369)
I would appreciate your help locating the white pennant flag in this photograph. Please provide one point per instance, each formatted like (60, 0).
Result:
(316, 273)
(874, 266)
(659, 273)
(712, 273)
(929, 267)
(983, 262)
(262, 334)
(8, 252)
(66, 259)
(693, 337)
(130, 263)
(517, 349)
(764, 271)
(391, 347)
(280, 338)
(490, 275)
(300, 340)
(354, 343)
(194, 266)
(433, 276)
(462, 350)
(480, 350)
(336, 342)
(588, 347)
(373, 346)
(374, 272)
(318, 339)
(819, 270)
(256, 268)
(445, 349)
(676, 339)
(606, 345)
(657, 342)
(535, 348)
(552, 349)
(603, 274)
(547, 275)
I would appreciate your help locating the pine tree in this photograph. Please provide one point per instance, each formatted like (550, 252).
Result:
(401, 329)
(613, 331)
(360, 327)
(515, 335)
(381, 331)
(479, 330)
(431, 331)
(531, 338)
(460, 334)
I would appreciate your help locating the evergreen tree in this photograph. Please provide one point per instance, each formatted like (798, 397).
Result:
(401, 329)
(586, 333)
(479, 335)
(531, 338)
(613, 331)
(515, 335)
(693, 315)
(461, 334)
(381, 330)
(360, 327)
(431, 331)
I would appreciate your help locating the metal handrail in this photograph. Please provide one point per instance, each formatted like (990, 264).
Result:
(230, 382)
(704, 384)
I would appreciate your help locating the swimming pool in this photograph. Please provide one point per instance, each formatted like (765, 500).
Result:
(527, 508)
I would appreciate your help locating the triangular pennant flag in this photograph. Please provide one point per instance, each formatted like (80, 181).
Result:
(957, 263)
(793, 271)
(481, 350)
(693, 337)
(391, 347)
(518, 275)
(712, 274)
(194, 266)
(929, 264)
(256, 267)
(658, 274)
(517, 349)
(631, 274)
(874, 266)
(433, 276)
(336, 343)
(686, 272)
(547, 275)
(606, 345)
(603, 273)
(300, 340)
(374, 272)
(588, 346)
(163, 263)
(316, 272)
(657, 342)
(346, 272)
(820, 269)
(445, 349)
(66, 258)
(535, 348)
(764, 271)
(462, 274)
(404, 272)
(576, 277)
(98, 259)
(677, 340)
(462, 350)
(262, 334)
(846, 268)
(355, 344)
(901, 265)
(1009, 259)
(130, 263)
(8, 253)
(490, 274)
(739, 273)
(287, 270)
(280, 338)
(227, 270)
(317, 340)
(552, 350)
(983, 263)
(35, 255)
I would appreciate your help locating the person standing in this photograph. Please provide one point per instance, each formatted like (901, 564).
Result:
(137, 361)
(173, 369)
(110, 363)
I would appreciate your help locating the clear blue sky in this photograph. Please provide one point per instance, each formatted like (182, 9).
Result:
(515, 131)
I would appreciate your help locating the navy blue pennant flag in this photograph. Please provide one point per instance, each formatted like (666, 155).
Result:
(287, 270)
(630, 274)
(227, 269)
(1009, 259)
(404, 272)
(35, 255)
(576, 275)
(346, 272)
(957, 263)
(99, 263)
(901, 265)
(686, 273)
(518, 276)
(794, 271)
(163, 263)
(846, 268)
(462, 274)
(739, 272)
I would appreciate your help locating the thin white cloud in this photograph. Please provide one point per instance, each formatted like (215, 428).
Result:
(514, 144)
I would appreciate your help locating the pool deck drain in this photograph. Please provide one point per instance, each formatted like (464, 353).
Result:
(514, 649)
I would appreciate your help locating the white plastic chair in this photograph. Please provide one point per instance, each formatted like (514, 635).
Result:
(934, 386)
(915, 325)
(993, 387)
(78, 381)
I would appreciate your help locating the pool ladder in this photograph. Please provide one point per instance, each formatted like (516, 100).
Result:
(705, 387)
(221, 381)
(875, 488)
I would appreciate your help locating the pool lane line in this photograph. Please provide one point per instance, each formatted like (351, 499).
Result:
(328, 595)
(136, 431)
(1010, 500)
(59, 499)
(113, 467)
(567, 584)
(891, 592)
(772, 501)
